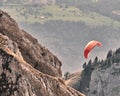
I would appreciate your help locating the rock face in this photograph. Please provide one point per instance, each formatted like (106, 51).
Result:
(18, 78)
(36, 55)
(26, 68)
(80, 80)
(74, 81)
(99, 78)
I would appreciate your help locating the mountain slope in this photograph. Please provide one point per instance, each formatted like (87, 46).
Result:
(18, 78)
(104, 7)
(36, 55)
(19, 73)
(101, 78)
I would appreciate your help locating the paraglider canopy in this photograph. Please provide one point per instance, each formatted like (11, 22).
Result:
(90, 46)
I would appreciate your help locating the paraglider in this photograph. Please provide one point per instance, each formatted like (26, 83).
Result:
(90, 46)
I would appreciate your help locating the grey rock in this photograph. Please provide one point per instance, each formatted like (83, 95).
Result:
(101, 78)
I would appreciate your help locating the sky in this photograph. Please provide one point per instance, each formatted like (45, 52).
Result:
(70, 50)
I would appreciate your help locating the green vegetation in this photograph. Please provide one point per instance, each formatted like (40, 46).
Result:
(35, 13)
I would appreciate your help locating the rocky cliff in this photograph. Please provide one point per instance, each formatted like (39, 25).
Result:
(36, 55)
(99, 78)
(27, 68)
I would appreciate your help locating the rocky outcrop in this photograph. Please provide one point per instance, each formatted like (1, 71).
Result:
(18, 78)
(74, 80)
(105, 79)
(33, 53)
(102, 78)
(80, 80)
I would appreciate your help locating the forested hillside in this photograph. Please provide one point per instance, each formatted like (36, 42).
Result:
(2, 2)
(108, 8)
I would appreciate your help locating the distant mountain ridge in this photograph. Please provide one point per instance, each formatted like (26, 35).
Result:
(25, 1)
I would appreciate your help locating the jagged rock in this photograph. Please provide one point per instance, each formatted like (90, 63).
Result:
(33, 53)
(80, 80)
(99, 79)
(18, 78)
(105, 79)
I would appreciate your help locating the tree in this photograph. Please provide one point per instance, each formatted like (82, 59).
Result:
(110, 53)
(84, 65)
(66, 75)
(117, 51)
(90, 62)
(95, 60)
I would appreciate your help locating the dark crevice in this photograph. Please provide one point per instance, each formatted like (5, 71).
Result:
(8, 86)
